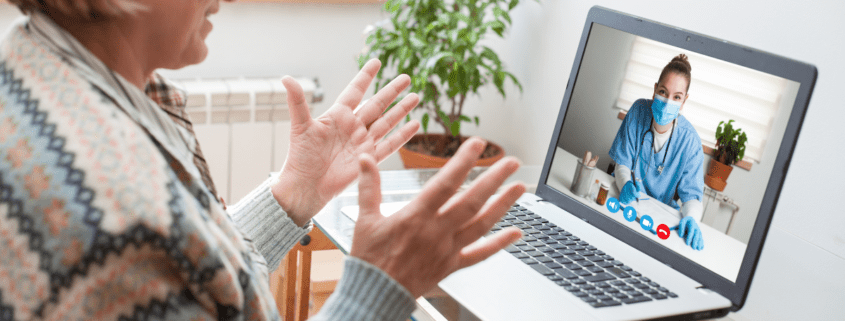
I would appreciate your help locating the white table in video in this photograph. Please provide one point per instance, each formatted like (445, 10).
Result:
(721, 254)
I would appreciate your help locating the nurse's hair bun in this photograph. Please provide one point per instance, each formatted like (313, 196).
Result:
(679, 65)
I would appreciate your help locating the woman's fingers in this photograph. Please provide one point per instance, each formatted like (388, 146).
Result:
(382, 125)
(353, 93)
(376, 105)
(492, 212)
(481, 250)
(299, 113)
(445, 183)
(392, 143)
(369, 187)
(460, 209)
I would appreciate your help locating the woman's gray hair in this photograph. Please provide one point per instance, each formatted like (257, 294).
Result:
(83, 9)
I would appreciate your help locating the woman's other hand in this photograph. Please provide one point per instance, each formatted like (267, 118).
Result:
(324, 152)
(438, 232)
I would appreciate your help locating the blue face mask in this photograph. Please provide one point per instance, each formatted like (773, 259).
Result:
(664, 111)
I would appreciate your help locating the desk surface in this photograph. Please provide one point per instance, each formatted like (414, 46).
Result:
(722, 253)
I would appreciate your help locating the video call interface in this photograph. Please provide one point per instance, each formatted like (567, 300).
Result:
(639, 148)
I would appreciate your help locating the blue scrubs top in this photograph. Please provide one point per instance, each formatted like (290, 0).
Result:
(683, 170)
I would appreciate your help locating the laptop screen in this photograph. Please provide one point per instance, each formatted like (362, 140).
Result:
(675, 145)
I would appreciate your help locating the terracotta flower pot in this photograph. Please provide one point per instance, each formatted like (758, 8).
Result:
(413, 159)
(717, 175)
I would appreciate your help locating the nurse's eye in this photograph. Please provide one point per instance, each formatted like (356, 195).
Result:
(677, 97)
(661, 92)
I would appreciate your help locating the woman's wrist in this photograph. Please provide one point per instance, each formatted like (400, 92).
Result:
(296, 199)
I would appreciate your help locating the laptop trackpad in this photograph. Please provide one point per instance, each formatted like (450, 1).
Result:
(491, 291)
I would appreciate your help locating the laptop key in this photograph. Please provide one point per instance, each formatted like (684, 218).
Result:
(595, 269)
(619, 295)
(649, 291)
(566, 274)
(617, 283)
(641, 286)
(611, 290)
(535, 253)
(512, 249)
(563, 283)
(604, 276)
(596, 258)
(578, 281)
(575, 257)
(611, 303)
(626, 288)
(659, 296)
(597, 304)
(634, 273)
(589, 299)
(572, 266)
(618, 272)
(583, 273)
(604, 264)
(555, 277)
(544, 259)
(525, 248)
(552, 265)
(595, 292)
(586, 263)
(672, 295)
(536, 244)
(520, 255)
(580, 294)
(571, 288)
(602, 284)
(529, 261)
(604, 298)
(662, 289)
(555, 255)
(654, 284)
(542, 269)
(561, 259)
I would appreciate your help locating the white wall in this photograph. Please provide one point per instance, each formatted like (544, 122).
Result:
(592, 116)
(799, 276)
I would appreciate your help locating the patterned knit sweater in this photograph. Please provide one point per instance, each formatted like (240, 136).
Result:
(95, 222)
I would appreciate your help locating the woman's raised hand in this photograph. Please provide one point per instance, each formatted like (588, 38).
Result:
(438, 232)
(323, 155)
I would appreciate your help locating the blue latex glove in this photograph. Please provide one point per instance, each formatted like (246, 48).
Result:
(630, 192)
(688, 229)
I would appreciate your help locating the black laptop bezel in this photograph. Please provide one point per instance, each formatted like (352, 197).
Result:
(803, 73)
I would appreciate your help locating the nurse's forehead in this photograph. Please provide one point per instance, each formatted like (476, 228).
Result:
(679, 84)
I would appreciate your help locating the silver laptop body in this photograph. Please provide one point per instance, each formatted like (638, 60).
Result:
(505, 288)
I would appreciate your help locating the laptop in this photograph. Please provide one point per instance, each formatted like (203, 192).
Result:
(587, 256)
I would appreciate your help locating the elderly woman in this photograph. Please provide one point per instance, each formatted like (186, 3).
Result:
(107, 210)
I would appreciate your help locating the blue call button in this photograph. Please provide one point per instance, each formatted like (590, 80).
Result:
(612, 205)
(646, 222)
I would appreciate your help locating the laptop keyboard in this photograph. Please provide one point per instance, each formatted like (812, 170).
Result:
(580, 268)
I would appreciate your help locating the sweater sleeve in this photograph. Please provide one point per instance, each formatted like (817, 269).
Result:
(261, 219)
(366, 293)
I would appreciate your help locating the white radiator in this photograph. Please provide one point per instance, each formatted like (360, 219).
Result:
(243, 127)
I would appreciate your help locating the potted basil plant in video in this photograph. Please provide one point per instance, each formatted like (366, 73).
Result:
(439, 45)
(730, 149)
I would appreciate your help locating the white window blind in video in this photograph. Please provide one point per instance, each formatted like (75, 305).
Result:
(719, 91)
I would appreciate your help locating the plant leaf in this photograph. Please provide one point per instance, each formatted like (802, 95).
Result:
(424, 122)
(456, 128)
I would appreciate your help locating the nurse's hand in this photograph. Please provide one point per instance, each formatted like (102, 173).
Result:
(630, 192)
(688, 229)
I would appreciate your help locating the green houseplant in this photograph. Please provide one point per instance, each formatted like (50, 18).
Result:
(730, 149)
(438, 44)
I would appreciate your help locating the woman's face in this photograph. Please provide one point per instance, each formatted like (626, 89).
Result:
(176, 30)
(673, 87)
